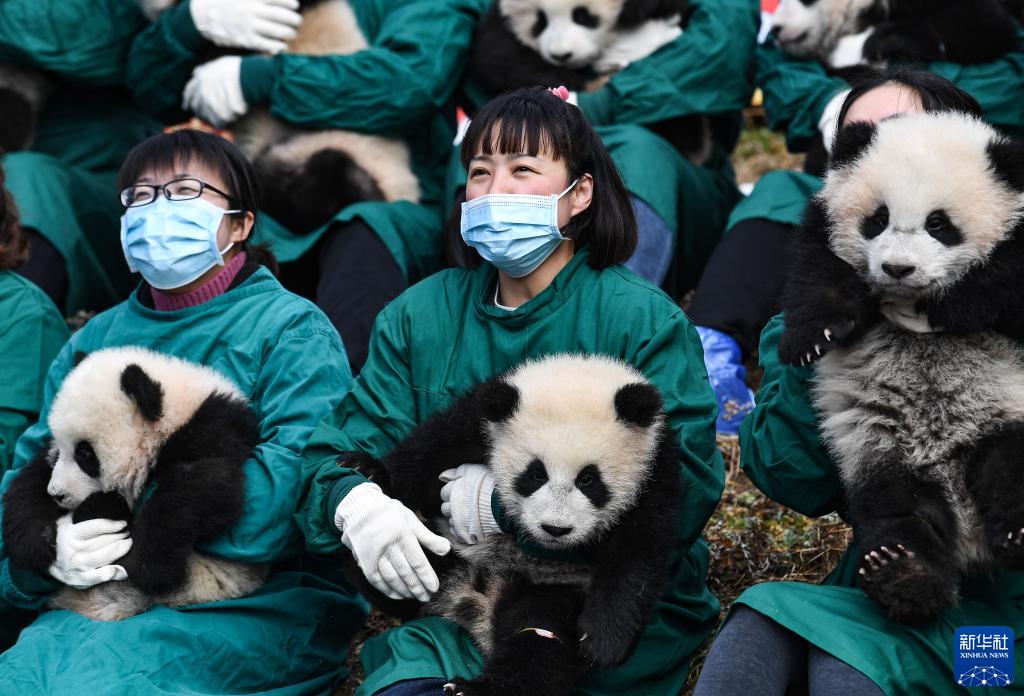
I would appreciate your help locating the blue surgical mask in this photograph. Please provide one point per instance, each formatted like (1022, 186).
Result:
(171, 243)
(514, 231)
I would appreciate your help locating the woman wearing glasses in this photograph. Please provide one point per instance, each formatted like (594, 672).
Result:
(211, 298)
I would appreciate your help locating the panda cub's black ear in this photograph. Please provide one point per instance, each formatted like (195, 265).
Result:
(498, 400)
(147, 394)
(638, 404)
(78, 357)
(851, 142)
(1007, 158)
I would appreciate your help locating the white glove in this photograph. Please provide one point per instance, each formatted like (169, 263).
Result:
(214, 93)
(86, 550)
(466, 502)
(385, 537)
(828, 124)
(255, 25)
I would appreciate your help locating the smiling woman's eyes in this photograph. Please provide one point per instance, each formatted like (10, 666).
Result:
(523, 168)
(477, 172)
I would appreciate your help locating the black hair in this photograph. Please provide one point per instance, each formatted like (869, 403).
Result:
(13, 244)
(935, 93)
(531, 120)
(187, 145)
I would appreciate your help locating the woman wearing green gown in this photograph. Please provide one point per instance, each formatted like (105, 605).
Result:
(501, 306)
(739, 290)
(831, 638)
(218, 305)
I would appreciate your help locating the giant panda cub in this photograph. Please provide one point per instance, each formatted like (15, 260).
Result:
(580, 44)
(309, 175)
(906, 287)
(154, 440)
(586, 469)
(845, 33)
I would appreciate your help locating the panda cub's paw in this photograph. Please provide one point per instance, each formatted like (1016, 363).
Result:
(476, 687)
(1010, 552)
(107, 505)
(805, 344)
(908, 588)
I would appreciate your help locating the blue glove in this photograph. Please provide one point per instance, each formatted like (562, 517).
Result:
(724, 362)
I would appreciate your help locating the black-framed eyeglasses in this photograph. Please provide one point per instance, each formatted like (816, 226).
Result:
(178, 190)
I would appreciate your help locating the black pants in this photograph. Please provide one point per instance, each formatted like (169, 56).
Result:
(350, 275)
(739, 291)
(45, 267)
(756, 656)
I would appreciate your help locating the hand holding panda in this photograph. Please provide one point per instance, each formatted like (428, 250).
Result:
(586, 468)
(925, 419)
(146, 444)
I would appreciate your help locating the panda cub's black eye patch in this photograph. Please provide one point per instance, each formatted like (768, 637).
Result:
(584, 17)
(942, 229)
(533, 477)
(590, 483)
(85, 457)
(876, 223)
(540, 24)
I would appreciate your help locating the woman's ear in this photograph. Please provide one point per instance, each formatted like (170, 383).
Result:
(241, 226)
(581, 195)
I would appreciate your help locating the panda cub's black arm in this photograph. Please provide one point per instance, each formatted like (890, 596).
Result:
(635, 564)
(199, 493)
(30, 517)
(824, 301)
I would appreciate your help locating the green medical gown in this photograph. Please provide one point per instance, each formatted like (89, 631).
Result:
(783, 455)
(291, 636)
(64, 187)
(441, 337)
(398, 87)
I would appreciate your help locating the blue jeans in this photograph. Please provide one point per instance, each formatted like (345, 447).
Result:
(654, 245)
(414, 687)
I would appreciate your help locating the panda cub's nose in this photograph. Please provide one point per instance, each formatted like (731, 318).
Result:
(60, 499)
(898, 272)
(556, 531)
(561, 57)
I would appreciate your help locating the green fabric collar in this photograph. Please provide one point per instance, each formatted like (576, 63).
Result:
(528, 546)
(261, 281)
(551, 299)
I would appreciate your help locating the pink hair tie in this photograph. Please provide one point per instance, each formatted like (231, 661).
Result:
(561, 92)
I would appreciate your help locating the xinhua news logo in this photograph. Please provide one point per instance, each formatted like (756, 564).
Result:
(983, 656)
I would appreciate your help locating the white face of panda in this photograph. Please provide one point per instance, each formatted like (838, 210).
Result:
(812, 28)
(566, 466)
(921, 205)
(569, 33)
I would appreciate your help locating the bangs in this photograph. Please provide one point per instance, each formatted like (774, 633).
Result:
(514, 126)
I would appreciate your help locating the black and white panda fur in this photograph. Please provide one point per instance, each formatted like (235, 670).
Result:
(845, 33)
(584, 461)
(920, 221)
(123, 419)
(579, 44)
(308, 176)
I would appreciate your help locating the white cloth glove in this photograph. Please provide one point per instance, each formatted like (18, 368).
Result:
(85, 551)
(385, 537)
(828, 124)
(214, 93)
(255, 25)
(466, 502)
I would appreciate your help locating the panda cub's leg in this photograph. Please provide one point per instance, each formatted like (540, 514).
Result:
(993, 481)
(535, 641)
(906, 529)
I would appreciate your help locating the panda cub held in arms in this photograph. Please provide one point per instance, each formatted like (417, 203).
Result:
(906, 285)
(845, 33)
(580, 44)
(586, 469)
(153, 440)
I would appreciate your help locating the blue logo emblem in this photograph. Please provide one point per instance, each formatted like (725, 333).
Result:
(983, 656)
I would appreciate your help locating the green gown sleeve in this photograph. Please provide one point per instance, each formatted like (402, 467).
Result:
(372, 418)
(707, 70)
(300, 380)
(408, 72)
(780, 448)
(161, 61)
(87, 40)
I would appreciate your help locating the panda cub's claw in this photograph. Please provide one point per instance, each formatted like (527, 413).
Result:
(1011, 551)
(907, 587)
(471, 688)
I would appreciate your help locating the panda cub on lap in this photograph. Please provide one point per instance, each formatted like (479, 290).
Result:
(123, 420)
(906, 282)
(586, 469)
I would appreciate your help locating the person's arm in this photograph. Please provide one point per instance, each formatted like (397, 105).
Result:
(707, 70)
(407, 73)
(371, 419)
(303, 378)
(780, 448)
